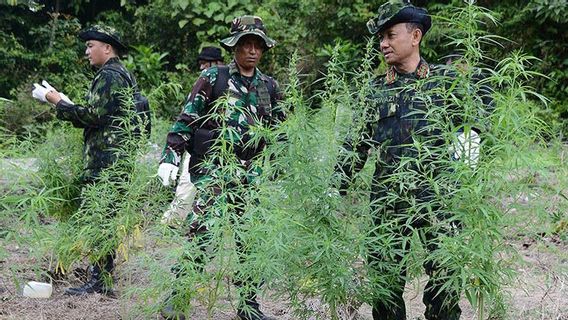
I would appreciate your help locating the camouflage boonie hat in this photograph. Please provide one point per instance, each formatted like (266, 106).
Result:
(247, 25)
(104, 34)
(399, 11)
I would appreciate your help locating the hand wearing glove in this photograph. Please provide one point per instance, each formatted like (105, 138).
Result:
(167, 172)
(63, 96)
(182, 204)
(39, 92)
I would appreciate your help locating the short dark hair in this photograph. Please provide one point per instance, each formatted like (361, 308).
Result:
(410, 26)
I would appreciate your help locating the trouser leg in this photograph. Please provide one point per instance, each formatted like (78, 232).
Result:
(441, 303)
(386, 263)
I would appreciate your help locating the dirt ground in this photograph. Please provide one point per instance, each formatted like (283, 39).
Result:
(540, 292)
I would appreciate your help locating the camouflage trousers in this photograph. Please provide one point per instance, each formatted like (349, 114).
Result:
(106, 263)
(199, 233)
(403, 219)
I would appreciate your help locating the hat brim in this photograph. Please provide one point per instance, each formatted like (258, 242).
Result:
(99, 36)
(231, 42)
(205, 57)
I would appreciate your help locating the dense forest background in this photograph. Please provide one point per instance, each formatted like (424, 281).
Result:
(38, 40)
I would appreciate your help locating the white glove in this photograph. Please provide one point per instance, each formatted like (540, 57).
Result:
(47, 85)
(467, 147)
(167, 172)
(39, 92)
(186, 191)
(50, 88)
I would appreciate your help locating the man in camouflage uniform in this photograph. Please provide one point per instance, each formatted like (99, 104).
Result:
(100, 119)
(396, 125)
(252, 101)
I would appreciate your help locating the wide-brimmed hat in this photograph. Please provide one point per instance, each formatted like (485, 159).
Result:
(399, 11)
(104, 34)
(244, 25)
(210, 54)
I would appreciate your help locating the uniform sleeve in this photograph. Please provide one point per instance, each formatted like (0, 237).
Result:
(103, 102)
(181, 133)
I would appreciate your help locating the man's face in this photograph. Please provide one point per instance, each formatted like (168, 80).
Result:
(203, 64)
(248, 51)
(97, 52)
(397, 44)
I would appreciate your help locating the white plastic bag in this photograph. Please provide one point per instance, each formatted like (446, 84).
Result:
(182, 204)
(466, 148)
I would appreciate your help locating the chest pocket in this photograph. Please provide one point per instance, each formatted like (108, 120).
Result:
(387, 122)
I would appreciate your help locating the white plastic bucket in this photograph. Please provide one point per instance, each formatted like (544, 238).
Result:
(35, 289)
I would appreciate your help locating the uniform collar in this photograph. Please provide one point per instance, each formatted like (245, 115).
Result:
(421, 72)
(112, 60)
(233, 68)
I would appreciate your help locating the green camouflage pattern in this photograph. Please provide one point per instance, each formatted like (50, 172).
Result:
(247, 25)
(393, 125)
(99, 118)
(246, 109)
(386, 12)
(104, 33)
(104, 29)
(397, 122)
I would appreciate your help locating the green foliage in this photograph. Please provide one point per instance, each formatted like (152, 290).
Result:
(182, 27)
(24, 115)
(50, 187)
(147, 65)
(58, 39)
(554, 10)
(543, 38)
(213, 14)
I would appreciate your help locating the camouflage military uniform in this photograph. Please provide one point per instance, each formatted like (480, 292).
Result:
(402, 131)
(99, 118)
(250, 105)
(103, 121)
(250, 102)
(397, 121)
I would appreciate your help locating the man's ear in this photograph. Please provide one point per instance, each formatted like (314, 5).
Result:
(416, 37)
(111, 50)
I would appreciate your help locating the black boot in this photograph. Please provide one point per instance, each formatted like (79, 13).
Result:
(94, 285)
(252, 311)
(170, 313)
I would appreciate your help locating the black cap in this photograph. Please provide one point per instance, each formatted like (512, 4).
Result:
(210, 54)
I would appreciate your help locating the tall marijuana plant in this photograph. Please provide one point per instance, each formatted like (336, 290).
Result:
(313, 243)
(298, 225)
